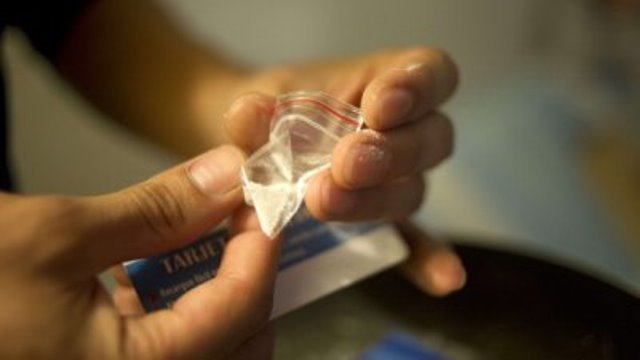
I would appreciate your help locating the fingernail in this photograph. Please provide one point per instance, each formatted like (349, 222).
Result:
(395, 105)
(366, 164)
(217, 171)
(234, 107)
(450, 277)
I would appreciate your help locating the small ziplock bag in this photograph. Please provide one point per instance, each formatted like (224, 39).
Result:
(305, 128)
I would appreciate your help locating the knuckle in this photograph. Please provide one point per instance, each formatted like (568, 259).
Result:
(160, 208)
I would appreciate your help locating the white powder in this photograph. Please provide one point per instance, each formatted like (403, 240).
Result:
(275, 204)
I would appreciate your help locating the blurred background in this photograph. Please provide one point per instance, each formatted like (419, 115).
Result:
(547, 114)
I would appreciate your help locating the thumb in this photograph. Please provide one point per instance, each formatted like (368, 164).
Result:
(166, 211)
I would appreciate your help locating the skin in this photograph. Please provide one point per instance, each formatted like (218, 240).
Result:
(152, 79)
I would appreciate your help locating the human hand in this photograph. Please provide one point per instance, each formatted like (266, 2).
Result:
(52, 248)
(376, 173)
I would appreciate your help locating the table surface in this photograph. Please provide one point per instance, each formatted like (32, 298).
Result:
(512, 307)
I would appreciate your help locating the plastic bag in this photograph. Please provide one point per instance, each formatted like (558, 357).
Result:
(305, 128)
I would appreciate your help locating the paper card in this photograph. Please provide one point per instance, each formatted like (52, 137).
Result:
(317, 259)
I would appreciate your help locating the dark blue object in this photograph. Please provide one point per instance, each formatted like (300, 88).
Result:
(401, 346)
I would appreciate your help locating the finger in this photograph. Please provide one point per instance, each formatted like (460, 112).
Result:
(348, 86)
(432, 266)
(124, 294)
(368, 158)
(423, 79)
(126, 301)
(219, 314)
(244, 219)
(163, 213)
(120, 276)
(248, 119)
(326, 200)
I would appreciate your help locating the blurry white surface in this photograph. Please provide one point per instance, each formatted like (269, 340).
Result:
(521, 172)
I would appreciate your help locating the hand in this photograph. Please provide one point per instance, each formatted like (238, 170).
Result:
(51, 249)
(376, 173)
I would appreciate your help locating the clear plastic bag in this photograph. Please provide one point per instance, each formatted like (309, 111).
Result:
(305, 128)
